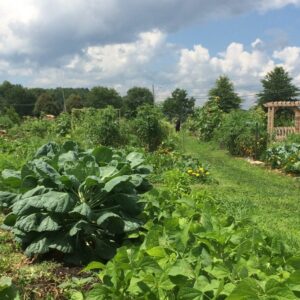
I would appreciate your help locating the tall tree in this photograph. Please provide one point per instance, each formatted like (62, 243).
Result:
(136, 97)
(179, 106)
(101, 97)
(223, 90)
(74, 101)
(277, 86)
(46, 104)
(20, 98)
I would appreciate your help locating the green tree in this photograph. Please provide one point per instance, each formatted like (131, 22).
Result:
(20, 98)
(101, 97)
(136, 97)
(46, 104)
(277, 86)
(74, 101)
(178, 106)
(224, 92)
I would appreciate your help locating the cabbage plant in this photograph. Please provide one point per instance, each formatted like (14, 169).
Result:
(76, 204)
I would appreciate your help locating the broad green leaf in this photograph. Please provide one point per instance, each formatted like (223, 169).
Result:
(94, 265)
(38, 246)
(278, 291)
(294, 281)
(135, 159)
(111, 222)
(53, 202)
(29, 182)
(136, 180)
(183, 268)
(131, 225)
(70, 146)
(83, 209)
(7, 199)
(102, 154)
(10, 220)
(11, 178)
(49, 150)
(127, 202)
(188, 293)
(294, 262)
(111, 184)
(5, 282)
(70, 182)
(66, 157)
(39, 190)
(107, 172)
(247, 289)
(79, 226)
(48, 223)
(77, 296)
(156, 252)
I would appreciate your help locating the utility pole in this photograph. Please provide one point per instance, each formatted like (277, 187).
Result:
(63, 93)
(153, 92)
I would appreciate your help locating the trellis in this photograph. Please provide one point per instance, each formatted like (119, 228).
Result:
(282, 132)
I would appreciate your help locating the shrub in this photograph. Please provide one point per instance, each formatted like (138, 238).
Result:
(243, 133)
(286, 156)
(148, 127)
(98, 126)
(47, 104)
(207, 119)
(8, 117)
(80, 204)
(61, 126)
(74, 101)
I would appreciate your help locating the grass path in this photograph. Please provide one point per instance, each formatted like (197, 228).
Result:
(272, 199)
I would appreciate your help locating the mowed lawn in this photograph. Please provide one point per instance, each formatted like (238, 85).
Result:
(245, 190)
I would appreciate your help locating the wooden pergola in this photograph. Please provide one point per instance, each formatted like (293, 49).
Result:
(282, 132)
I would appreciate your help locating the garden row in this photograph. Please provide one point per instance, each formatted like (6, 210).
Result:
(244, 133)
(90, 205)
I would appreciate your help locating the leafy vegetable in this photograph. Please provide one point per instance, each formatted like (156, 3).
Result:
(79, 203)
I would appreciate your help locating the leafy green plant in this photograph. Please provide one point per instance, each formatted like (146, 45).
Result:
(78, 203)
(206, 120)
(286, 156)
(243, 133)
(148, 126)
(97, 126)
(190, 251)
(7, 290)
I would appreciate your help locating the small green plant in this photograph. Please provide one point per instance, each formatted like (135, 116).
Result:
(178, 182)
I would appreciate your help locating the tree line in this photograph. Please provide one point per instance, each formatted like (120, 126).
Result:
(276, 86)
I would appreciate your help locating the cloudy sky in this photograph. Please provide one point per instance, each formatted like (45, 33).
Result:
(168, 43)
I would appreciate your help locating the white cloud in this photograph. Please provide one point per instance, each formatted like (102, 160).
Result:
(123, 43)
(197, 69)
(48, 31)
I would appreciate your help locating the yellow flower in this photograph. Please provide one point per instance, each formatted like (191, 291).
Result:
(207, 173)
(190, 171)
(197, 175)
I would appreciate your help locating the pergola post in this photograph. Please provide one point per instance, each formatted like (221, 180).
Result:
(271, 114)
(297, 120)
